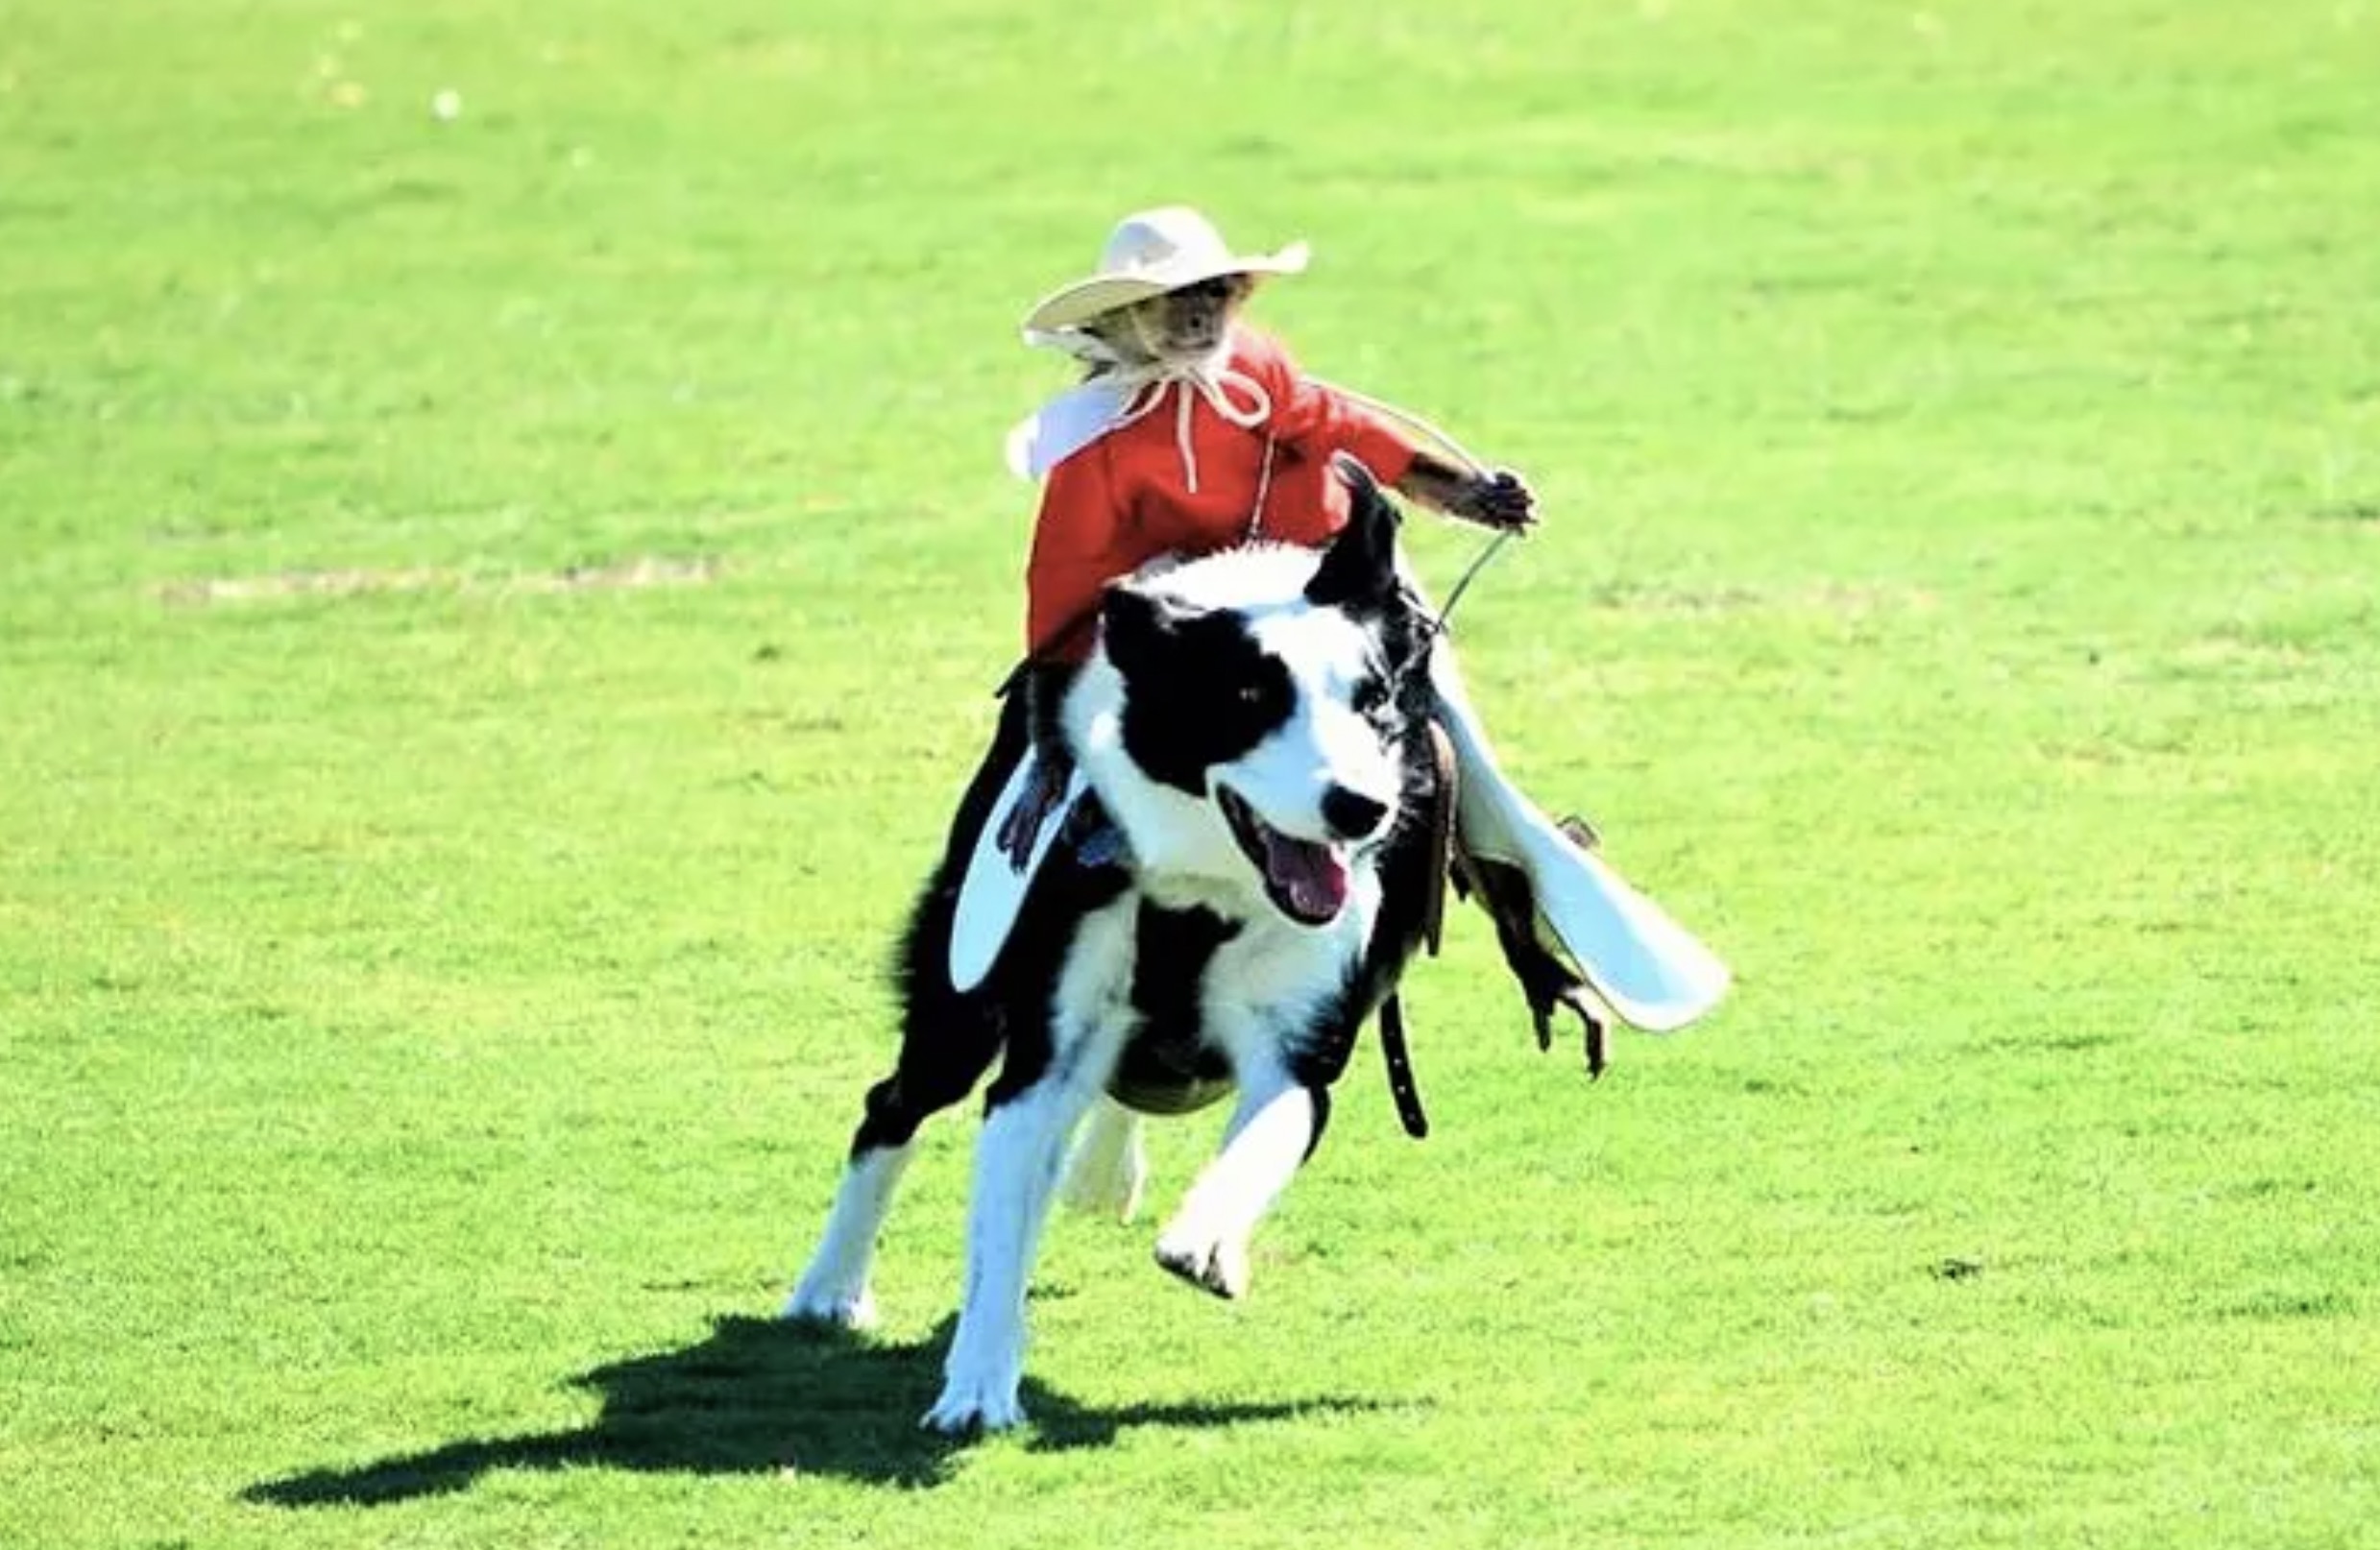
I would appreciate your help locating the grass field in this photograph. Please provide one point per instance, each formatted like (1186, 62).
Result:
(494, 609)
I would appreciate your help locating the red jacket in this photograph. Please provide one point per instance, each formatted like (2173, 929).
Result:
(1127, 497)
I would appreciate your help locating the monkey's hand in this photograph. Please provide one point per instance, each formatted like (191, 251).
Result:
(1039, 799)
(1499, 498)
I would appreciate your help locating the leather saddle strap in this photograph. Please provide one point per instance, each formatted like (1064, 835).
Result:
(1401, 1069)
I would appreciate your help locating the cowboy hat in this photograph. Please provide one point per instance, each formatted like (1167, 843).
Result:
(1147, 255)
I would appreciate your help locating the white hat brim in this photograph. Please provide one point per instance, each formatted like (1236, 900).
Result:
(1073, 305)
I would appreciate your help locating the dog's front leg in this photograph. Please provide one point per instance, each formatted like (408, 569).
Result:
(1016, 1164)
(1274, 1127)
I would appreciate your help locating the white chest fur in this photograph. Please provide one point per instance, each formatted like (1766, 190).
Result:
(1260, 995)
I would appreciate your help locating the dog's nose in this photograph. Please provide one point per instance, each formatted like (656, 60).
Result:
(1352, 814)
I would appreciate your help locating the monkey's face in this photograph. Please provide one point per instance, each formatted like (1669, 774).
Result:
(1185, 326)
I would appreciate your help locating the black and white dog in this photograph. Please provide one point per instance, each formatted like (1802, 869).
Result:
(1251, 879)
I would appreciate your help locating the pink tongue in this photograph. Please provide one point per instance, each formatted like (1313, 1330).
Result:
(1309, 874)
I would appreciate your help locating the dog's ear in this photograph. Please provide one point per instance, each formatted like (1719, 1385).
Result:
(1134, 626)
(1360, 565)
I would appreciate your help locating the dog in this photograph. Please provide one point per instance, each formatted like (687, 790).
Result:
(1249, 876)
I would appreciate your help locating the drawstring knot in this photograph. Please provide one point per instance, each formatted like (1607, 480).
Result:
(1216, 384)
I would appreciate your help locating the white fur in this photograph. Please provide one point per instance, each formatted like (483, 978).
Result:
(1016, 1166)
(1015, 1169)
(1327, 743)
(835, 1289)
(1261, 990)
(1207, 1241)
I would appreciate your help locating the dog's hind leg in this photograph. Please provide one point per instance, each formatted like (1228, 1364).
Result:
(1276, 1125)
(938, 1067)
(1109, 1166)
(834, 1291)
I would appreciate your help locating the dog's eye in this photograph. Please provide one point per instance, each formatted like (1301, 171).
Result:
(1258, 692)
(1260, 700)
(1369, 696)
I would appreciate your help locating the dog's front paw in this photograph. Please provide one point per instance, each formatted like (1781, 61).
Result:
(1217, 1264)
(971, 1403)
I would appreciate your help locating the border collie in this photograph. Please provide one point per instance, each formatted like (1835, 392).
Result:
(1250, 875)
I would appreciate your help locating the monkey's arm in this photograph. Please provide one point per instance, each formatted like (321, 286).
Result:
(1319, 418)
(1499, 498)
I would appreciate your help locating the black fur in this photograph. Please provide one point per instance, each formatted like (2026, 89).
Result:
(1204, 693)
(1168, 1068)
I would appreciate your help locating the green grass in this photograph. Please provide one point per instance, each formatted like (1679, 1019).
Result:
(433, 996)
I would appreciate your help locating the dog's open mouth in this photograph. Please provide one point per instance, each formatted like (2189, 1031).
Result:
(1307, 882)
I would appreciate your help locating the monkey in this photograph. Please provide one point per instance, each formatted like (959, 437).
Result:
(1189, 328)
(1181, 327)
(1188, 336)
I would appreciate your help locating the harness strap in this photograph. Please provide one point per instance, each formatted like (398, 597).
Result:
(1264, 488)
(1401, 1069)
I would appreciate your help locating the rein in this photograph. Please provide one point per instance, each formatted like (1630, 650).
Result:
(1462, 454)
(1394, 1051)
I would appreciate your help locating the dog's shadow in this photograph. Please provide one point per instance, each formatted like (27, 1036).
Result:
(763, 1396)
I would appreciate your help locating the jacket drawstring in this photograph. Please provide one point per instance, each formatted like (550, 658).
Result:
(1216, 387)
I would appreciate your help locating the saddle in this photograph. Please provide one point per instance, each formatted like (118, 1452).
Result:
(1548, 982)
